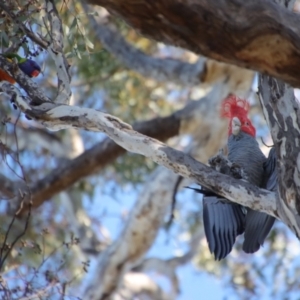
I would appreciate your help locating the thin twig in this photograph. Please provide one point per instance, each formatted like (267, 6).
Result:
(262, 140)
(2, 260)
(175, 190)
(25, 30)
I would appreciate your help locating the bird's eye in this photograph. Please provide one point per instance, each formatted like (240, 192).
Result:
(247, 123)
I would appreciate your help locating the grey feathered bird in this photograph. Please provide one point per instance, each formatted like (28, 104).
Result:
(224, 220)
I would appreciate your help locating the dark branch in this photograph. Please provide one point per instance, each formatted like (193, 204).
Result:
(161, 69)
(257, 34)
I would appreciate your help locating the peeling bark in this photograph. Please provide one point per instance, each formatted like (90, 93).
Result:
(257, 34)
(282, 112)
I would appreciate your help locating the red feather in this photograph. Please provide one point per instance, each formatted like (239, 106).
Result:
(232, 107)
(5, 77)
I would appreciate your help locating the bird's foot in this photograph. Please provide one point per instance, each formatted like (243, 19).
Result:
(222, 164)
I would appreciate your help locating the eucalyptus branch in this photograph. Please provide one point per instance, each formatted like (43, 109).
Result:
(56, 50)
(57, 117)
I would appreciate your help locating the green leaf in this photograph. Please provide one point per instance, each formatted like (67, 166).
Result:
(80, 27)
(66, 29)
(70, 54)
(88, 43)
(76, 51)
(74, 23)
(4, 38)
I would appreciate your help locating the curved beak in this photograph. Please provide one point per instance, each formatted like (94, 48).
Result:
(236, 125)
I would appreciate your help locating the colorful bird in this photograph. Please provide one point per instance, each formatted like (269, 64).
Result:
(225, 220)
(28, 66)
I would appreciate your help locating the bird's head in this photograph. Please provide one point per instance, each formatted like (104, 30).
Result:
(236, 110)
(30, 68)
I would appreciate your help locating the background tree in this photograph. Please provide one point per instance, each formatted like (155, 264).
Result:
(67, 196)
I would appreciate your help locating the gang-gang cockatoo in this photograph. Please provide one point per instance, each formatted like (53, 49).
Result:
(224, 220)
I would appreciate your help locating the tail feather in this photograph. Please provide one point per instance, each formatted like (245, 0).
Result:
(269, 222)
(258, 224)
(240, 220)
(229, 235)
(270, 171)
(221, 249)
(208, 218)
(222, 223)
(257, 227)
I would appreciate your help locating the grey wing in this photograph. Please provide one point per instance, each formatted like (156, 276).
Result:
(270, 172)
(258, 224)
(222, 223)
(257, 227)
